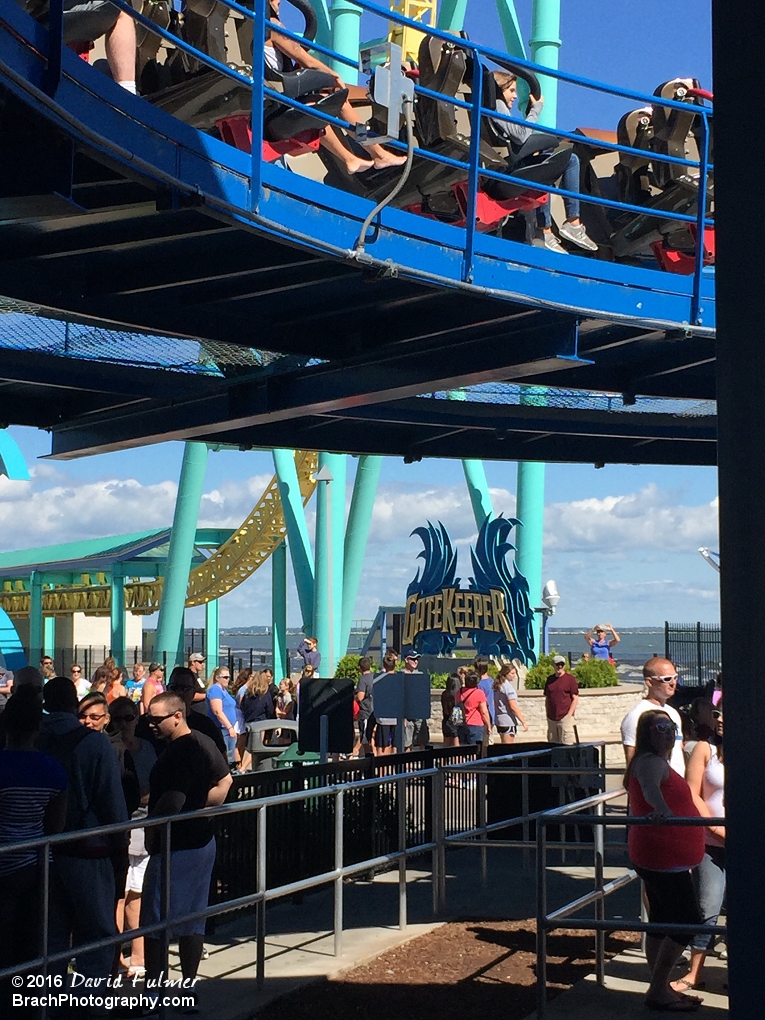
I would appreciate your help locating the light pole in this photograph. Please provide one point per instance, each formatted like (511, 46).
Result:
(551, 598)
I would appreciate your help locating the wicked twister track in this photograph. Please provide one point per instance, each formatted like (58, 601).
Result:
(196, 212)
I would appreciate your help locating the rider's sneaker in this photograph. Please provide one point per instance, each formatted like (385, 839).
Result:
(551, 242)
(577, 235)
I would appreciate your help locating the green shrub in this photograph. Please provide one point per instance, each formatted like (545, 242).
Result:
(438, 680)
(349, 666)
(595, 673)
(536, 676)
(588, 673)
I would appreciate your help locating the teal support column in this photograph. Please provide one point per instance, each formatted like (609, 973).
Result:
(324, 25)
(12, 463)
(35, 617)
(346, 29)
(337, 491)
(212, 634)
(530, 509)
(327, 603)
(511, 29)
(279, 611)
(545, 44)
(297, 533)
(180, 554)
(356, 536)
(478, 488)
(117, 613)
(451, 15)
(49, 636)
(10, 644)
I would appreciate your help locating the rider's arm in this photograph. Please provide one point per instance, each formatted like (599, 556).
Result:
(301, 56)
(616, 638)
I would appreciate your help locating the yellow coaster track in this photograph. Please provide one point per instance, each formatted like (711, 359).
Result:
(231, 563)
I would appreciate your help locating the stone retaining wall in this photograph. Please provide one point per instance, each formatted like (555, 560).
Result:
(598, 717)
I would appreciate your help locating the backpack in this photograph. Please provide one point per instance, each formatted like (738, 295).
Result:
(457, 718)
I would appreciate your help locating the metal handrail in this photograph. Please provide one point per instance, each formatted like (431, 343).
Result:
(547, 920)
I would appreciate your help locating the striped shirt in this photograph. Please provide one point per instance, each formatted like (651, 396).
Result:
(29, 780)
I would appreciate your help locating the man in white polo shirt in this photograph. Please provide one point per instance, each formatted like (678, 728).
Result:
(661, 679)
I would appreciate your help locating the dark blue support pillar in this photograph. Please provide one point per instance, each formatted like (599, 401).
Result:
(740, 213)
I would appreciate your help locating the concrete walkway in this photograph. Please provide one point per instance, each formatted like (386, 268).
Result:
(624, 993)
(300, 942)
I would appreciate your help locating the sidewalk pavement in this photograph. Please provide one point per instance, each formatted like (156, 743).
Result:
(300, 942)
(624, 993)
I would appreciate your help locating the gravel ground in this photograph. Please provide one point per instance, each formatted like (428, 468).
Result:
(450, 973)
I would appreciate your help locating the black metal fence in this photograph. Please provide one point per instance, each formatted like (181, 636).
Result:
(695, 649)
(304, 844)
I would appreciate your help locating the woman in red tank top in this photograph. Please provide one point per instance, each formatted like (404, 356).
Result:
(664, 855)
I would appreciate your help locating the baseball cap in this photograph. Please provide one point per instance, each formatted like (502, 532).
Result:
(196, 657)
(558, 660)
(412, 655)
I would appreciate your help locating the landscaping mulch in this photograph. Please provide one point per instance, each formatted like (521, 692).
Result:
(453, 971)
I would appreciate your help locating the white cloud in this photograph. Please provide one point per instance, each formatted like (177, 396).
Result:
(609, 555)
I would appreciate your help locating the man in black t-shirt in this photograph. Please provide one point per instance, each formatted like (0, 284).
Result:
(189, 775)
(365, 722)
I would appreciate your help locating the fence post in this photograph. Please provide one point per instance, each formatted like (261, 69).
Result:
(600, 906)
(666, 641)
(698, 653)
(260, 915)
(338, 921)
(541, 918)
(481, 786)
(401, 804)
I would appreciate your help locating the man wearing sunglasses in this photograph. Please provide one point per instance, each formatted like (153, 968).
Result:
(660, 678)
(189, 775)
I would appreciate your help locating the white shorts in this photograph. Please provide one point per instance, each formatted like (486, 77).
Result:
(136, 871)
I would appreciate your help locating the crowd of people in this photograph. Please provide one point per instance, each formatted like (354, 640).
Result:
(139, 747)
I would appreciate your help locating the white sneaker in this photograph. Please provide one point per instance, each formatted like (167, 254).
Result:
(577, 235)
(551, 242)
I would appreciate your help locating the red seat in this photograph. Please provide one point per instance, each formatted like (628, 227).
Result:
(237, 131)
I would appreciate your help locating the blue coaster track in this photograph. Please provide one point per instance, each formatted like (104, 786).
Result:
(238, 188)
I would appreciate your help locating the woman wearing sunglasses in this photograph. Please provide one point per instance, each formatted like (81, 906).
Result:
(664, 855)
(93, 712)
(138, 757)
(706, 778)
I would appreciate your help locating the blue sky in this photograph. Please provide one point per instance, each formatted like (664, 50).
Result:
(620, 542)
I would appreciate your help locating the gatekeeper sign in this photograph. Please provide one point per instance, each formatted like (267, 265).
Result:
(494, 609)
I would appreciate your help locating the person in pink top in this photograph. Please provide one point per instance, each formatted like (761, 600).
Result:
(476, 710)
(664, 855)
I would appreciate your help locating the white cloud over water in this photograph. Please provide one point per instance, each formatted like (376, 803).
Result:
(629, 557)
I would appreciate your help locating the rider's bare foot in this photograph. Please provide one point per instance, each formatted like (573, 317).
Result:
(389, 160)
(358, 166)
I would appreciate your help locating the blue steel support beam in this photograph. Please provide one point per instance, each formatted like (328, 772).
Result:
(35, 617)
(279, 611)
(356, 536)
(478, 489)
(117, 613)
(297, 533)
(169, 640)
(346, 30)
(212, 634)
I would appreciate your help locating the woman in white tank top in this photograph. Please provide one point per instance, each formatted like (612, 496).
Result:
(706, 778)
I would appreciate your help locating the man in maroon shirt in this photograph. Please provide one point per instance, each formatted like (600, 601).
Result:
(561, 697)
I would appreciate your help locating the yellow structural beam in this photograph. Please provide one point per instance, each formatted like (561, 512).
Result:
(231, 564)
(409, 39)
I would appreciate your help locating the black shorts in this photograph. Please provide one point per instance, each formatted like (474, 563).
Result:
(386, 736)
(672, 899)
